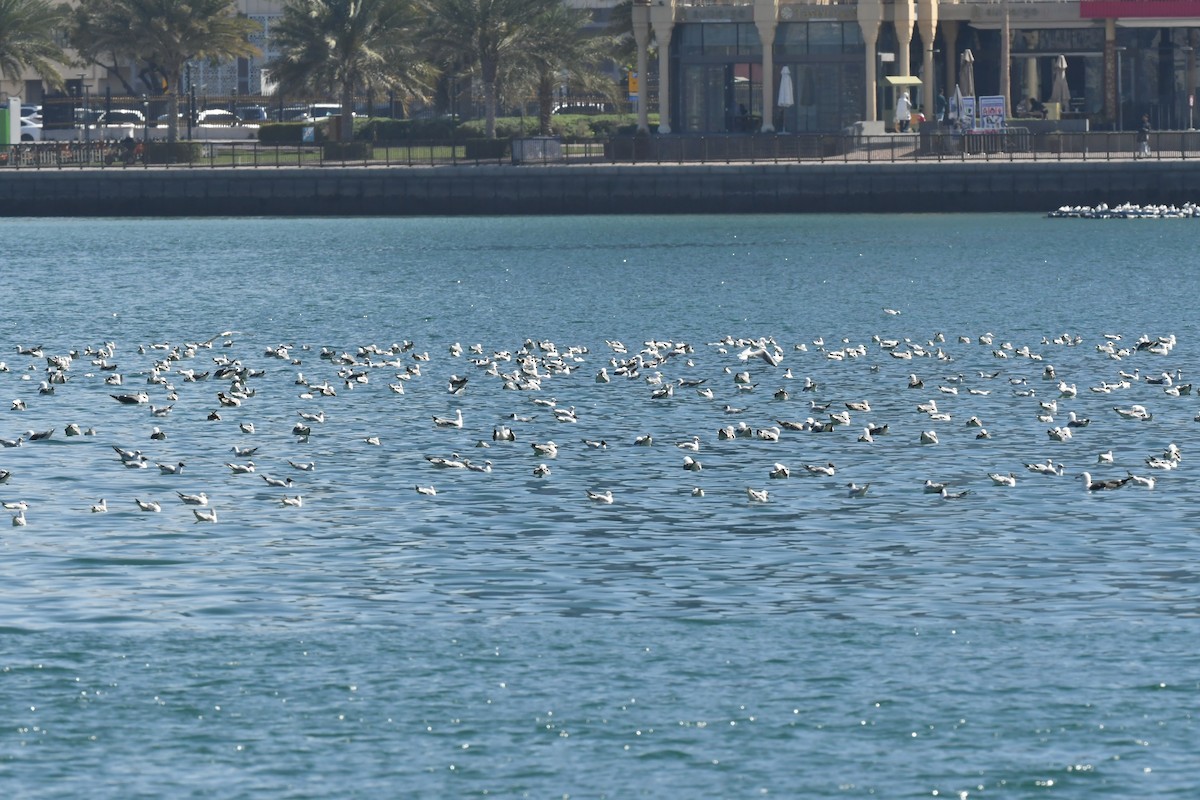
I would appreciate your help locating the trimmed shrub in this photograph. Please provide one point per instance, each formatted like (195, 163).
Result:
(381, 129)
(289, 132)
(157, 152)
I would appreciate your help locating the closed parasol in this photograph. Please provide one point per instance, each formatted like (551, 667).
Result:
(1060, 93)
(787, 95)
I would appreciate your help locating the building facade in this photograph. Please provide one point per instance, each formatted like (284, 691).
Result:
(721, 63)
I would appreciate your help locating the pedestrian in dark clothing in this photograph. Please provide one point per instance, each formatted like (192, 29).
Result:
(1143, 138)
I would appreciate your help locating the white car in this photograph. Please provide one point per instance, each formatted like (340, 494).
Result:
(218, 117)
(30, 131)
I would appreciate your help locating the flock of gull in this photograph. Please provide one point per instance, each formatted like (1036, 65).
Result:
(784, 398)
(1127, 211)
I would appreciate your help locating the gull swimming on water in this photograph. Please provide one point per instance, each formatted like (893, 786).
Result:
(426, 490)
(548, 449)
(1003, 480)
(1111, 483)
(600, 497)
(171, 469)
(193, 499)
(756, 495)
(854, 490)
(295, 502)
(205, 514)
(148, 505)
(449, 422)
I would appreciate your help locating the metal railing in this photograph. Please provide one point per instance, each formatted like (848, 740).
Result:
(1013, 145)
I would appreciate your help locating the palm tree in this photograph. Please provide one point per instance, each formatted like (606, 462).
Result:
(342, 45)
(564, 51)
(27, 29)
(160, 36)
(490, 36)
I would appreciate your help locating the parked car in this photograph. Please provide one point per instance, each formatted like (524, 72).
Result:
(217, 117)
(30, 131)
(32, 113)
(290, 114)
(89, 117)
(253, 114)
(121, 116)
(322, 110)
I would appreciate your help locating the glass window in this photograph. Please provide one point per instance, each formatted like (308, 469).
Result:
(748, 41)
(791, 39)
(720, 40)
(825, 37)
(691, 39)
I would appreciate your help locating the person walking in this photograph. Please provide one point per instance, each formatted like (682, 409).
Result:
(1143, 138)
(903, 113)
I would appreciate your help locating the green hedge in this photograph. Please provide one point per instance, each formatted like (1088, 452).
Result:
(290, 132)
(571, 127)
(172, 152)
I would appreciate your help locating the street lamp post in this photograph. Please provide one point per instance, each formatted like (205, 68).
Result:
(83, 91)
(1120, 92)
(191, 112)
(145, 126)
(1189, 78)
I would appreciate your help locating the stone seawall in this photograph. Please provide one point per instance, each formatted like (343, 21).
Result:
(640, 189)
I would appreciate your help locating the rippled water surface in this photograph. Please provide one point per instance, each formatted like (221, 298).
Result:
(508, 636)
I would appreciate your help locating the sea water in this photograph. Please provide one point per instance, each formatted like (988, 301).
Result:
(508, 637)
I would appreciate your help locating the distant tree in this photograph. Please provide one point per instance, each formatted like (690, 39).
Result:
(564, 51)
(340, 46)
(487, 37)
(160, 37)
(27, 29)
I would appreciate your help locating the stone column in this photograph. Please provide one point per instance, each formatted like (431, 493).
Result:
(1005, 58)
(950, 47)
(1032, 85)
(641, 35)
(905, 17)
(870, 14)
(662, 19)
(927, 19)
(765, 20)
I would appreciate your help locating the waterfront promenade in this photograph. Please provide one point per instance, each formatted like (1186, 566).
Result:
(923, 187)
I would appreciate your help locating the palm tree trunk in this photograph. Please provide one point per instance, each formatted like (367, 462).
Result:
(172, 117)
(346, 124)
(545, 96)
(488, 68)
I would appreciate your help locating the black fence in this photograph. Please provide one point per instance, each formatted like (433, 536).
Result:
(1013, 144)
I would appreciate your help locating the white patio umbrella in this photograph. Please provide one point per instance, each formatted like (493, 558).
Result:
(966, 73)
(787, 95)
(1060, 93)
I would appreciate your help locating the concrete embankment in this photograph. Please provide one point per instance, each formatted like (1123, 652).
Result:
(643, 189)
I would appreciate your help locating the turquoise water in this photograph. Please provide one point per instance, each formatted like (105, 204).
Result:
(507, 636)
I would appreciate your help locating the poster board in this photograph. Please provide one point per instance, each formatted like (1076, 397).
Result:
(991, 113)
